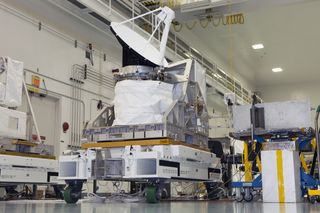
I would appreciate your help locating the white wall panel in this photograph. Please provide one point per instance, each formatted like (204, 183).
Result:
(53, 56)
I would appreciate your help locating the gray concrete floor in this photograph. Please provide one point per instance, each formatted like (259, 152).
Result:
(163, 207)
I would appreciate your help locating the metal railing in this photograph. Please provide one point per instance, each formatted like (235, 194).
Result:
(183, 49)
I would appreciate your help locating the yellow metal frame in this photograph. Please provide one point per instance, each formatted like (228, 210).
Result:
(303, 163)
(259, 164)
(313, 192)
(314, 143)
(247, 164)
(302, 159)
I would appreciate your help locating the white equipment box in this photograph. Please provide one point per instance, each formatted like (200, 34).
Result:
(16, 169)
(133, 162)
(12, 123)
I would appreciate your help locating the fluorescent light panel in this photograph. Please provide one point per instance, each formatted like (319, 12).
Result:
(257, 46)
(277, 69)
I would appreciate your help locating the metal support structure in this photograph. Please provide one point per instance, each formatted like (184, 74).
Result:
(94, 186)
(34, 191)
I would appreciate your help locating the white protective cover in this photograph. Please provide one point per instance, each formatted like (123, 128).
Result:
(11, 76)
(12, 123)
(141, 102)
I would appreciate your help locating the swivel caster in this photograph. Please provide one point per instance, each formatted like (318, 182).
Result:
(72, 193)
(153, 194)
(313, 199)
(239, 199)
(239, 195)
(248, 198)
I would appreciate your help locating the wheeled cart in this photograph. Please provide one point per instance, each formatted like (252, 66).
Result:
(153, 161)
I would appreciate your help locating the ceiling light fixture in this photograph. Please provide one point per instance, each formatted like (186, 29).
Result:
(257, 46)
(277, 69)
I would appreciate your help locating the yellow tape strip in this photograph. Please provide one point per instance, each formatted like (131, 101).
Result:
(259, 164)
(247, 164)
(280, 176)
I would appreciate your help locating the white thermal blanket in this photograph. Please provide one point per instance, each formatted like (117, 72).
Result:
(141, 102)
(11, 74)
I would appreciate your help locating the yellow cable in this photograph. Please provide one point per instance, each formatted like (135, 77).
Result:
(192, 26)
(214, 23)
(177, 29)
(225, 18)
(204, 25)
(241, 18)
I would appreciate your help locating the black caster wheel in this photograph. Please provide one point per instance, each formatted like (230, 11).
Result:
(72, 192)
(71, 195)
(165, 194)
(248, 198)
(239, 198)
(152, 194)
(239, 195)
(313, 199)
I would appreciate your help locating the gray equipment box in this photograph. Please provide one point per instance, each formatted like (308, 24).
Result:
(277, 115)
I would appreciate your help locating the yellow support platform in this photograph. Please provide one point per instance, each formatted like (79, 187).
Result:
(145, 142)
(23, 142)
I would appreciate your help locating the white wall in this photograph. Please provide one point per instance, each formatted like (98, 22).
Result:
(54, 56)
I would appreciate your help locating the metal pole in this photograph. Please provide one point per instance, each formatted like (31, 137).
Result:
(32, 112)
